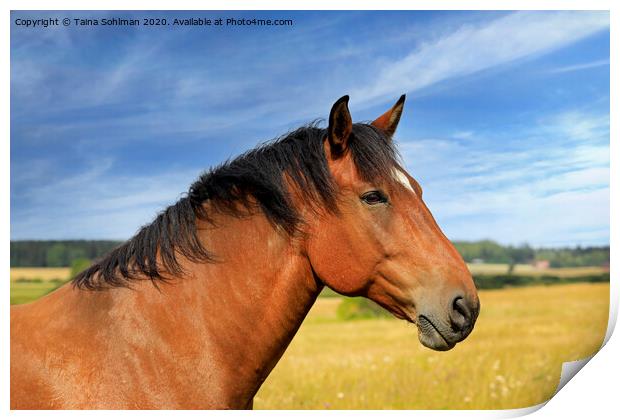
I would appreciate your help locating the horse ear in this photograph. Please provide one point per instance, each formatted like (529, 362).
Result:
(389, 121)
(340, 126)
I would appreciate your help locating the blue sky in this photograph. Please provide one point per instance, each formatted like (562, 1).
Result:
(506, 124)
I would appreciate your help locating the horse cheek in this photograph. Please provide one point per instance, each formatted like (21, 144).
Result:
(337, 264)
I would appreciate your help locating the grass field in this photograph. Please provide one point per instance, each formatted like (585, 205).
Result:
(30, 283)
(512, 359)
(27, 292)
(43, 273)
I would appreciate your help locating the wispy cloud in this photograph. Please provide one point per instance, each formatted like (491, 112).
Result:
(107, 130)
(577, 125)
(581, 66)
(111, 206)
(537, 191)
(472, 49)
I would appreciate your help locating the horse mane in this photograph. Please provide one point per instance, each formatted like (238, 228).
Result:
(256, 178)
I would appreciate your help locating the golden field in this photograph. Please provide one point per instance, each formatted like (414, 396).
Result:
(30, 283)
(512, 359)
(43, 273)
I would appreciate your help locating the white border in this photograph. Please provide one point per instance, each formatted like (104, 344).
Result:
(594, 390)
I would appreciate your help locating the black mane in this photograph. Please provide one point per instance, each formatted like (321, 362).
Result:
(256, 177)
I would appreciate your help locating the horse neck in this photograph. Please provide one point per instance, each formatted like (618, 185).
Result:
(234, 317)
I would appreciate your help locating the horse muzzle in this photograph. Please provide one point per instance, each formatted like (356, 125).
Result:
(444, 332)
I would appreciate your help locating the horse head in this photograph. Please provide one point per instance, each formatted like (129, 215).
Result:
(383, 242)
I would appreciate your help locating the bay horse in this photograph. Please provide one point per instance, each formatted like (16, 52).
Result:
(196, 309)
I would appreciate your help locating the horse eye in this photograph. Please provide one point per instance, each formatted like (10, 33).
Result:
(374, 197)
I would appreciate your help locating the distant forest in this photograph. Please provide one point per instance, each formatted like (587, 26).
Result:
(492, 252)
(64, 253)
(57, 253)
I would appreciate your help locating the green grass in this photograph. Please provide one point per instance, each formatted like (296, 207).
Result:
(30, 283)
(27, 292)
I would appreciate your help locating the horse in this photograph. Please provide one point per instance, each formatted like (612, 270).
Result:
(195, 310)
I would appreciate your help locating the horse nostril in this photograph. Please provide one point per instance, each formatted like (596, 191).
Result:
(460, 315)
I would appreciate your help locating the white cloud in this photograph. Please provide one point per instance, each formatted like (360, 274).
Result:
(547, 192)
(577, 125)
(553, 190)
(96, 203)
(581, 66)
(470, 49)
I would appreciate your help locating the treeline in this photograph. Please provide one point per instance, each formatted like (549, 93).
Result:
(578, 257)
(492, 252)
(57, 253)
(494, 281)
(63, 253)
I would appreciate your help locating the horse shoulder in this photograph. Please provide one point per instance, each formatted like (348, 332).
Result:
(30, 387)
